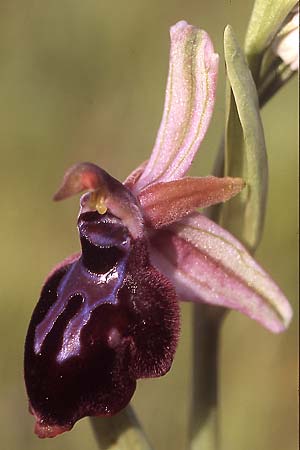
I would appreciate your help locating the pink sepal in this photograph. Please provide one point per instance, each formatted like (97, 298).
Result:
(189, 102)
(207, 264)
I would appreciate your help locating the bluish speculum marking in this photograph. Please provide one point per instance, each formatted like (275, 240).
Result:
(99, 237)
(104, 319)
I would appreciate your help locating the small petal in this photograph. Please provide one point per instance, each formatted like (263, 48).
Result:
(135, 175)
(206, 263)
(164, 203)
(189, 102)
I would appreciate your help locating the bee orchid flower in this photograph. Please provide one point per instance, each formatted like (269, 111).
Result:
(110, 314)
(286, 43)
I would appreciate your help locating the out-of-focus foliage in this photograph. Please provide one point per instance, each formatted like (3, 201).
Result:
(85, 81)
(266, 18)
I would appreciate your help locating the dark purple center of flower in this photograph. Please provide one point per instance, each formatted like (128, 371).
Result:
(102, 321)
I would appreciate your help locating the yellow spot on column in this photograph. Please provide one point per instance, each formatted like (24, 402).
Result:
(100, 206)
(97, 201)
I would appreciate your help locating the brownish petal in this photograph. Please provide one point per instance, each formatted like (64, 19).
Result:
(134, 176)
(164, 203)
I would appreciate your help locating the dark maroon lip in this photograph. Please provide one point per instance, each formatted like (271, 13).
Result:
(103, 320)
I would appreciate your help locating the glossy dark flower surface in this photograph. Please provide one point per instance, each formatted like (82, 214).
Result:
(103, 320)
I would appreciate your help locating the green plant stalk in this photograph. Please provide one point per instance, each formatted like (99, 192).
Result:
(274, 83)
(204, 433)
(120, 432)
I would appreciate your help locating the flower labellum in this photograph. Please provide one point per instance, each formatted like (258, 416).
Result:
(105, 317)
(110, 315)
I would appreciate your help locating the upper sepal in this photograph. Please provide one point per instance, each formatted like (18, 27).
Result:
(188, 108)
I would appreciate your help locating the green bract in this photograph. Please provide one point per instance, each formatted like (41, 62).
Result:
(245, 151)
(267, 16)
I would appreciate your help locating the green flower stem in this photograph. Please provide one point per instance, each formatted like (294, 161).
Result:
(120, 432)
(274, 82)
(204, 413)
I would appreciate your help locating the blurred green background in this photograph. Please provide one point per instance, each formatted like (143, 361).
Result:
(85, 81)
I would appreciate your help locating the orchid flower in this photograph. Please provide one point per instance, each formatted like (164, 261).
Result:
(110, 314)
(286, 43)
